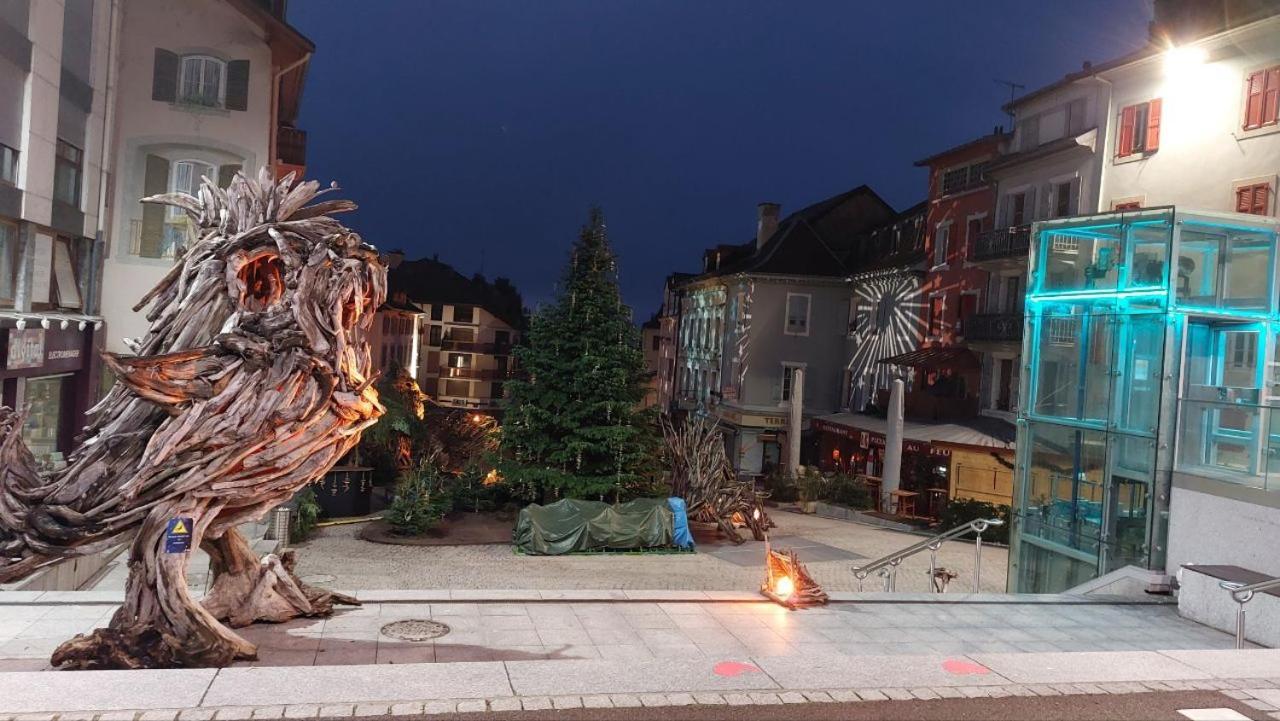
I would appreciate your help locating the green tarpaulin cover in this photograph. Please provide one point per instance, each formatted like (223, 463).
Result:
(569, 526)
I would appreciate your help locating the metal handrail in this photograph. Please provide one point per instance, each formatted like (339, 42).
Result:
(1242, 594)
(888, 565)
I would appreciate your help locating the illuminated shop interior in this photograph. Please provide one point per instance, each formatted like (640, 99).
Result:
(1150, 351)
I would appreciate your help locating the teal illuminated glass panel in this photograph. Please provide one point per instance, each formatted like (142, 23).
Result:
(1220, 421)
(1128, 501)
(1148, 265)
(1073, 363)
(1140, 369)
(1081, 258)
(1224, 267)
(1064, 491)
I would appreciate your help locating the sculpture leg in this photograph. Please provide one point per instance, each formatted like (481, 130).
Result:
(160, 625)
(246, 590)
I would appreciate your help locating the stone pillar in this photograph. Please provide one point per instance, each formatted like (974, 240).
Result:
(892, 478)
(793, 424)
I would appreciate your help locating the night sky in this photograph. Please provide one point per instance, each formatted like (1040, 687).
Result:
(482, 130)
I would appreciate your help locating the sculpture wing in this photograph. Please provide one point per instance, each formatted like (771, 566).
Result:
(173, 380)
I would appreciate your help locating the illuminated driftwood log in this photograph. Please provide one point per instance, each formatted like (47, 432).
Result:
(253, 380)
(702, 476)
(788, 582)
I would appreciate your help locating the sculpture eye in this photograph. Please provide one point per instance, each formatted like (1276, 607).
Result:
(262, 280)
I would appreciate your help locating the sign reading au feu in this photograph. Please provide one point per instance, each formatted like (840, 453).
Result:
(177, 535)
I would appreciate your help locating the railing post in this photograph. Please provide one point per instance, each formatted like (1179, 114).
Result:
(1239, 625)
(933, 555)
(977, 562)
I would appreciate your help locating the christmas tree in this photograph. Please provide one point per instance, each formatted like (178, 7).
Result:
(573, 426)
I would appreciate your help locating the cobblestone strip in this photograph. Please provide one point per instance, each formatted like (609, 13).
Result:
(1238, 689)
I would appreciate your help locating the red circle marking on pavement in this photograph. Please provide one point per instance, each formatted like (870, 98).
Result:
(733, 668)
(964, 668)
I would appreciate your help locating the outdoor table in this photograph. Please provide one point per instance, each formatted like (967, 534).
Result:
(904, 501)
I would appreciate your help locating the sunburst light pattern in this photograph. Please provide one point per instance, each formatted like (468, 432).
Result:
(895, 325)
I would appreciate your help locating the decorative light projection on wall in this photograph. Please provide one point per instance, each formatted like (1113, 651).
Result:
(890, 322)
(740, 317)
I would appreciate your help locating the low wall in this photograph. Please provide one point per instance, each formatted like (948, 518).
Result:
(1202, 600)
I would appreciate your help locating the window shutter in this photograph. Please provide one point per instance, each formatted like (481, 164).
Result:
(164, 78)
(1244, 198)
(226, 173)
(155, 183)
(1127, 118)
(1153, 126)
(1261, 199)
(238, 85)
(1271, 95)
(1253, 88)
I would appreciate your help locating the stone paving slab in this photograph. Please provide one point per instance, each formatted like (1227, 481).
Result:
(541, 678)
(22, 692)
(1252, 663)
(871, 672)
(338, 684)
(1087, 667)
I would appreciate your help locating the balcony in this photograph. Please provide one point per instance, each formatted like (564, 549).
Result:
(467, 346)
(994, 327)
(1002, 244)
(291, 146)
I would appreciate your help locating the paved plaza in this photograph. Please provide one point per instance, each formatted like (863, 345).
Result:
(651, 630)
(338, 558)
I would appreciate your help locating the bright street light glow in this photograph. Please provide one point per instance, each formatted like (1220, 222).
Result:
(1178, 62)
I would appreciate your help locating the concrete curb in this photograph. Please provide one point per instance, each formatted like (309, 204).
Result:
(85, 598)
(425, 689)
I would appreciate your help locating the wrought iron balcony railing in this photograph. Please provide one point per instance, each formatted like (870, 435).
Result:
(993, 327)
(1001, 243)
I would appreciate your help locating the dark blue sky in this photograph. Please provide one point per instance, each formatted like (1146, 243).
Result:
(464, 127)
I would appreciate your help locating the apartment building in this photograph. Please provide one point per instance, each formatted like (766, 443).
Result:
(56, 96)
(664, 357)
(206, 88)
(456, 332)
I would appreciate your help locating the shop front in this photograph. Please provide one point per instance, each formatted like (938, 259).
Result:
(756, 442)
(47, 372)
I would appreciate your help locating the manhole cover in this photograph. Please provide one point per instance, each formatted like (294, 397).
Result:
(415, 630)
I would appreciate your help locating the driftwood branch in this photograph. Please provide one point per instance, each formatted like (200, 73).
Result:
(702, 475)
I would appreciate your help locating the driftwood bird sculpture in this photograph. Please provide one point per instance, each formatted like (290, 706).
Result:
(253, 380)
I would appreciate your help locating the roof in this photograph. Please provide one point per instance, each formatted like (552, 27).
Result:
(934, 357)
(1086, 139)
(812, 241)
(979, 431)
(1089, 70)
(428, 280)
(876, 250)
(995, 137)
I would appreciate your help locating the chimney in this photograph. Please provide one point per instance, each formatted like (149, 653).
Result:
(766, 222)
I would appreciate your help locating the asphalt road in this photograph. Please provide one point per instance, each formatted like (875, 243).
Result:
(1056, 708)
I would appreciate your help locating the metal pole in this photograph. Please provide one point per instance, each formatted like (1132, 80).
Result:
(893, 576)
(1239, 625)
(933, 555)
(977, 563)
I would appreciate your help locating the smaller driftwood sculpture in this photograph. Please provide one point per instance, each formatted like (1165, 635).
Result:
(702, 476)
(788, 582)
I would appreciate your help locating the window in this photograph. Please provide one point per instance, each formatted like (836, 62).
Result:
(437, 312)
(1262, 98)
(67, 168)
(1139, 129)
(956, 180)
(941, 239)
(1029, 133)
(502, 337)
(884, 310)
(464, 314)
(1062, 330)
(434, 335)
(971, 233)
(8, 165)
(797, 314)
(1062, 199)
(1127, 205)
(1064, 245)
(203, 81)
(386, 325)
(936, 306)
(1254, 199)
(657, 341)
(1076, 120)
(8, 262)
(1017, 208)
(855, 319)
(788, 375)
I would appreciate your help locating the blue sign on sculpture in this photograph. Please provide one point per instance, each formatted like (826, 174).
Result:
(177, 535)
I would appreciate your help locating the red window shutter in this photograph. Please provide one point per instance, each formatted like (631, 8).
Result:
(1127, 118)
(1271, 96)
(1253, 88)
(1153, 126)
(1244, 199)
(1261, 199)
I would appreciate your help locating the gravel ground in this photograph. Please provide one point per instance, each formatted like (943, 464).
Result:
(336, 557)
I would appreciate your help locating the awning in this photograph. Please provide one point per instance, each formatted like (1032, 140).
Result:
(982, 431)
(937, 357)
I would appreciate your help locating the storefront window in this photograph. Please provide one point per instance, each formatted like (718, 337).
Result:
(45, 397)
